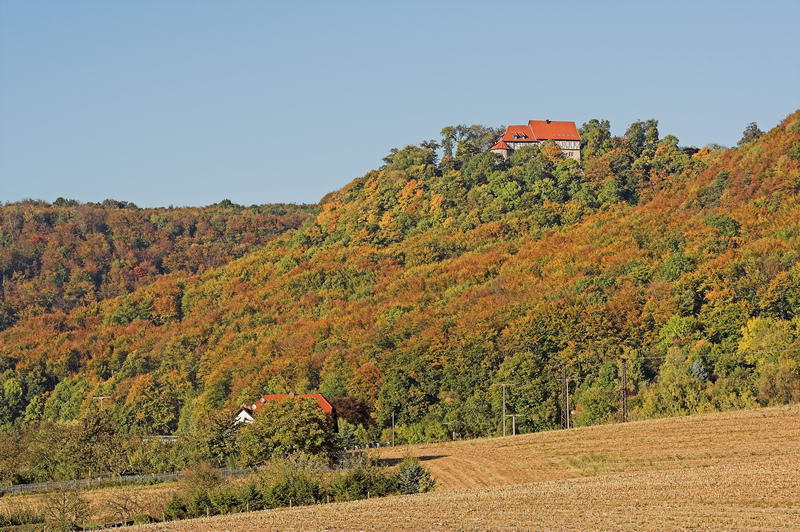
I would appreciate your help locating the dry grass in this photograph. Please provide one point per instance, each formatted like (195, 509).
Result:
(731, 471)
(146, 498)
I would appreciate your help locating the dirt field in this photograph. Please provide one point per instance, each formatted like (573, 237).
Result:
(731, 471)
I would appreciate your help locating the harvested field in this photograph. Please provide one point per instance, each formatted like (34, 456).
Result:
(730, 471)
(653, 445)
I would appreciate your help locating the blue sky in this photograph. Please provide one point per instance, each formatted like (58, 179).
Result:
(190, 102)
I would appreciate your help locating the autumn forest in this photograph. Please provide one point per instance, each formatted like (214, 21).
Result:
(416, 289)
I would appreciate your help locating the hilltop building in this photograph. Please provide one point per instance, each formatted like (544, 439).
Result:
(246, 412)
(564, 134)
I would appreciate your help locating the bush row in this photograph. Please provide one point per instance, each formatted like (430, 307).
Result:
(297, 481)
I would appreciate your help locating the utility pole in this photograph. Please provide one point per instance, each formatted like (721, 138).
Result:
(504, 385)
(451, 426)
(101, 398)
(624, 389)
(514, 423)
(564, 398)
(504, 410)
(566, 383)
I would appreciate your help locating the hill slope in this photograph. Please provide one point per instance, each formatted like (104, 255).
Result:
(423, 283)
(65, 255)
(732, 471)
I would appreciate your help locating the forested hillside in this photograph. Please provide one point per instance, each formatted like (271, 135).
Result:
(420, 285)
(61, 256)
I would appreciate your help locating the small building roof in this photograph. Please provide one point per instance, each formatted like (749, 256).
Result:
(279, 397)
(500, 145)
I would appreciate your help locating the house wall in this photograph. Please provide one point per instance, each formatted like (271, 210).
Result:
(517, 145)
(570, 148)
(568, 144)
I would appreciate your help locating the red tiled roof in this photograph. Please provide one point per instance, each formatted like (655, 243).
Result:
(321, 401)
(518, 134)
(501, 145)
(552, 130)
(538, 130)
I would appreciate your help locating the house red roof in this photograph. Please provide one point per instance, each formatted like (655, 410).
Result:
(278, 397)
(500, 145)
(538, 130)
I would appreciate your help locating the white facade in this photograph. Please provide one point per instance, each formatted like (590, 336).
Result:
(243, 417)
(570, 148)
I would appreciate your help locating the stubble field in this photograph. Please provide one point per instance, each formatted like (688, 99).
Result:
(729, 471)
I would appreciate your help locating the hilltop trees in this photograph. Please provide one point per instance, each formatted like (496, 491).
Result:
(467, 140)
(596, 138)
(750, 133)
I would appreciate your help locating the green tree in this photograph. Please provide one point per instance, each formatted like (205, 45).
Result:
(595, 138)
(217, 438)
(448, 139)
(283, 428)
(676, 393)
(724, 224)
(534, 395)
(335, 375)
(772, 346)
(751, 132)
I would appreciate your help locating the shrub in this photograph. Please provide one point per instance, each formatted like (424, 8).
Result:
(125, 506)
(296, 488)
(251, 499)
(224, 499)
(175, 508)
(363, 480)
(143, 519)
(411, 477)
(200, 478)
(65, 510)
(292, 481)
(198, 504)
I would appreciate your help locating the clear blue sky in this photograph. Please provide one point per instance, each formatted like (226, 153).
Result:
(190, 102)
